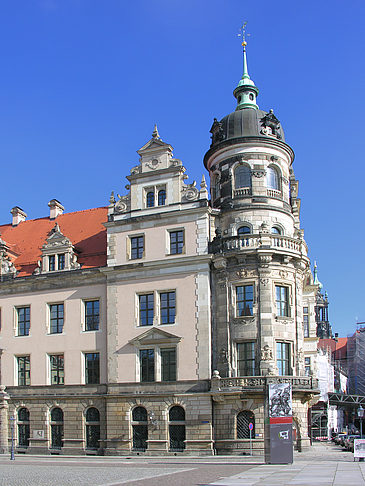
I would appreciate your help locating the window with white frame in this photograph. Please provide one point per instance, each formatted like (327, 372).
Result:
(157, 307)
(92, 368)
(157, 364)
(244, 300)
(136, 247)
(282, 301)
(273, 178)
(23, 370)
(176, 243)
(57, 369)
(283, 358)
(23, 321)
(92, 315)
(307, 366)
(56, 318)
(305, 322)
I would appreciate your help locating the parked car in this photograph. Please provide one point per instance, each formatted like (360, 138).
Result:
(339, 438)
(349, 442)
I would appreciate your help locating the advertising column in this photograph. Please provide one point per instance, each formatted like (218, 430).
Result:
(280, 423)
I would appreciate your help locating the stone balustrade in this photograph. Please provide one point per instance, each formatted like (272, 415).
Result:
(264, 241)
(260, 382)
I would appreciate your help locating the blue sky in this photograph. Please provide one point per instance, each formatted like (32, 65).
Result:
(83, 82)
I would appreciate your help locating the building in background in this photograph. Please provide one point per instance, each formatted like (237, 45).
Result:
(156, 324)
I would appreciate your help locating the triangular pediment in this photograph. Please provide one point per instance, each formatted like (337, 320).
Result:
(155, 336)
(154, 144)
(56, 239)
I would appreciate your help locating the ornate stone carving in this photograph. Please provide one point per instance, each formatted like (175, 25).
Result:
(216, 131)
(136, 170)
(266, 353)
(283, 273)
(223, 355)
(264, 260)
(264, 281)
(259, 173)
(190, 192)
(122, 205)
(153, 164)
(264, 228)
(270, 125)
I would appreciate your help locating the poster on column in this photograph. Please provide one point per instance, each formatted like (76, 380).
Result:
(280, 400)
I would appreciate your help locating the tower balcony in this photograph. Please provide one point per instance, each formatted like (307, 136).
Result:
(278, 243)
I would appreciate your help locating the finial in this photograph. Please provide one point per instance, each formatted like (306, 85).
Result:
(243, 34)
(246, 91)
(155, 133)
(112, 198)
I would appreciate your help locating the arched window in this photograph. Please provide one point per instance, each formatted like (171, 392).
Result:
(150, 199)
(242, 177)
(275, 230)
(177, 428)
(243, 230)
(244, 419)
(140, 428)
(92, 428)
(56, 428)
(272, 179)
(161, 197)
(23, 427)
(216, 186)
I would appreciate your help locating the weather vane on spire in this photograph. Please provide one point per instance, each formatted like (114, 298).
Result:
(243, 34)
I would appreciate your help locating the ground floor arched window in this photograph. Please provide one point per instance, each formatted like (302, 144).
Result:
(139, 428)
(23, 427)
(177, 428)
(92, 417)
(56, 428)
(244, 419)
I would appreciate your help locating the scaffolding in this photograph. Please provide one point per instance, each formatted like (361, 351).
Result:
(356, 362)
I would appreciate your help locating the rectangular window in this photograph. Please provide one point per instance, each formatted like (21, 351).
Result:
(167, 307)
(146, 309)
(137, 247)
(57, 370)
(244, 300)
(168, 364)
(305, 322)
(246, 359)
(92, 368)
(61, 261)
(56, 318)
(147, 364)
(51, 263)
(282, 301)
(283, 358)
(23, 324)
(92, 315)
(176, 242)
(307, 363)
(23, 370)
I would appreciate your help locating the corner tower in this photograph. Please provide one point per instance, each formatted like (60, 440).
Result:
(259, 258)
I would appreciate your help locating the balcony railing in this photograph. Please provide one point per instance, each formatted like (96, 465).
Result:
(243, 191)
(260, 382)
(274, 193)
(243, 242)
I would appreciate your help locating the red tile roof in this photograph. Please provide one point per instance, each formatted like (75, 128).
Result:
(340, 346)
(84, 228)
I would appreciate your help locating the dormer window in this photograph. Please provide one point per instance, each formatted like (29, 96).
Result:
(155, 196)
(58, 253)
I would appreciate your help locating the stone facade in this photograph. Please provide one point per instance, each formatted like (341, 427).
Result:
(165, 340)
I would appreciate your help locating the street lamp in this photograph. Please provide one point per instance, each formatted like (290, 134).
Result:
(12, 420)
(360, 414)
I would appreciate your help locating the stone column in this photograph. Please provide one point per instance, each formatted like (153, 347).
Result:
(4, 434)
